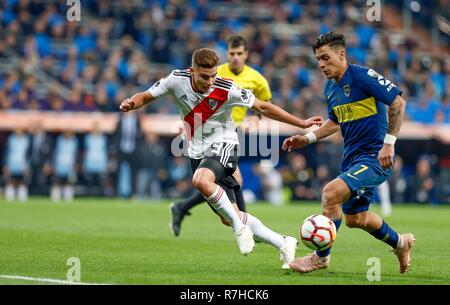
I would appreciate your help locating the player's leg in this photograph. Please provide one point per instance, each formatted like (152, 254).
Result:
(385, 198)
(239, 195)
(204, 181)
(22, 191)
(69, 192)
(378, 228)
(56, 191)
(369, 175)
(10, 192)
(334, 194)
(180, 209)
(286, 245)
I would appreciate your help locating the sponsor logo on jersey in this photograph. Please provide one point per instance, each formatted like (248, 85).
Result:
(356, 110)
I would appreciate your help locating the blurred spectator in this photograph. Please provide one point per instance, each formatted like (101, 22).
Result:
(95, 161)
(443, 187)
(64, 167)
(298, 177)
(271, 182)
(16, 169)
(180, 174)
(127, 138)
(443, 112)
(424, 184)
(320, 179)
(153, 162)
(40, 152)
(398, 182)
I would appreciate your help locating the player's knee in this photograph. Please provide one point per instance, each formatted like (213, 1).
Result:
(330, 197)
(356, 221)
(237, 175)
(200, 183)
(239, 180)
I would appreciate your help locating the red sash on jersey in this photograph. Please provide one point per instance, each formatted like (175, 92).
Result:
(205, 109)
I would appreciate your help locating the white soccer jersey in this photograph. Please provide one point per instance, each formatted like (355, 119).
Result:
(208, 115)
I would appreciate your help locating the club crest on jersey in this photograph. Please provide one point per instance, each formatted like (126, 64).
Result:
(347, 90)
(212, 103)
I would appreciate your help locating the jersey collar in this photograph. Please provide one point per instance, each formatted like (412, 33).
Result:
(346, 79)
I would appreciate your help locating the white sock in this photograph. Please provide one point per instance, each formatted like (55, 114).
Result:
(69, 193)
(22, 193)
(220, 201)
(262, 232)
(9, 192)
(55, 193)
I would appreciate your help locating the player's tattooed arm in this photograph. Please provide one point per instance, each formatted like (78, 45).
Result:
(136, 101)
(396, 115)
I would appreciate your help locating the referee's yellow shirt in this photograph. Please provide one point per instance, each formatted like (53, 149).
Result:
(249, 79)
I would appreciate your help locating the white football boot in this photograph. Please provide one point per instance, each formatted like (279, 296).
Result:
(287, 252)
(244, 237)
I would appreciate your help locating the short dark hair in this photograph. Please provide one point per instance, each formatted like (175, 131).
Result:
(205, 58)
(236, 41)
(332, 39)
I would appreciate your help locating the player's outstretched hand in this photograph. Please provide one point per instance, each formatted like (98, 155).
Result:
(294, 142)
(315, 120)
(386, 156)
(126, 105)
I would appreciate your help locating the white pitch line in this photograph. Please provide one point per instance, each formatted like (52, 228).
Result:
(45, 280)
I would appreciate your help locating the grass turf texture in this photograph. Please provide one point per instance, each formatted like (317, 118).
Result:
(123, 242)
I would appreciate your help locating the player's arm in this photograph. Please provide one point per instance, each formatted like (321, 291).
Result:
(396, 114)
(136, 101)
(262, 93)
(327, 129)
(256, 115)
(276, 113)
(161, 88)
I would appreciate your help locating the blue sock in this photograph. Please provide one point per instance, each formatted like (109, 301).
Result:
(326, 252)
(386, 234)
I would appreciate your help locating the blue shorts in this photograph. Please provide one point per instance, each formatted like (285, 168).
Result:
(362, 178)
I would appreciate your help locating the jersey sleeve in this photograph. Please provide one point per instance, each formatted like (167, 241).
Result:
(378, 86)
(238, 96)
(331, 114)
(162, 87)
(263, 92)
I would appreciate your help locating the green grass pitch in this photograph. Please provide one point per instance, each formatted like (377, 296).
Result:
(124, 242)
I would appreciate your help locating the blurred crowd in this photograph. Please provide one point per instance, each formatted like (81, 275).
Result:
(121, 47)
(131, 164)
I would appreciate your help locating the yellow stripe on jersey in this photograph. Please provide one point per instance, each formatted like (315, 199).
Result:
(356, 110)
(249, 79)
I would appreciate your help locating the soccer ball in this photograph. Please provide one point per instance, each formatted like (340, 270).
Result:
(318, 232)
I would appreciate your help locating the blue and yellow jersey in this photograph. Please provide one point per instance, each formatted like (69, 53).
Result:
(358, 105)
(249, 79)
